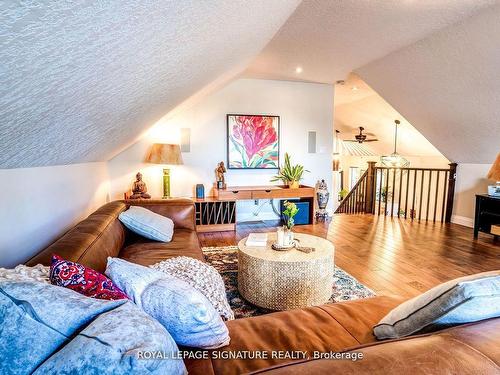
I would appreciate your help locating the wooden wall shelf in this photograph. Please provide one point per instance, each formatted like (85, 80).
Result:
(263, 192)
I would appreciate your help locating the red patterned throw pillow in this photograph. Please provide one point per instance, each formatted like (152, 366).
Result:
(83, 280)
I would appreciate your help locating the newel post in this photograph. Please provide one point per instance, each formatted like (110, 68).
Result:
(451, 192)
(370, 188)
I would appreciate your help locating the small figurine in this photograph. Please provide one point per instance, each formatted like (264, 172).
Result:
(219, 175)
(139, 189)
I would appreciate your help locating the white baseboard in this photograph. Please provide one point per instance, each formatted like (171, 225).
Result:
(462, 220)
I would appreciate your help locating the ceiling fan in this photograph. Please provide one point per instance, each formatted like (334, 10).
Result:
(361, 137)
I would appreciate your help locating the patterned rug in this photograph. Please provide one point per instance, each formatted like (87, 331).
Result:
(225, 260)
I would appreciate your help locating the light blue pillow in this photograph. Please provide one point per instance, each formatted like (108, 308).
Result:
(148, 224)
(463, 300)
(185, 312)
(36, 319)
(120, 341)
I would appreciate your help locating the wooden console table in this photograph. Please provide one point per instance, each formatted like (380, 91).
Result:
(218, 213)
(487, 215)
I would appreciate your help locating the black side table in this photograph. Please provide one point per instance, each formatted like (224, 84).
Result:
(487, 213)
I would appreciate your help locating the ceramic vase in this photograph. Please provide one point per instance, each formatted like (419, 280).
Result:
(322, 195)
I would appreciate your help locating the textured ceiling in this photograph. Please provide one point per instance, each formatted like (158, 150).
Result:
(448, 86)
(330, 38)
(364, 107)
(79, 80)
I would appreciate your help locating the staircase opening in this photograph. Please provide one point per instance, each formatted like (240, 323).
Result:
(409, 193)
(421, 188)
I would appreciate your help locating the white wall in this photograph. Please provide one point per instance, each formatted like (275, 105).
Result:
(471, 180)
(301, 107)
(40, 204)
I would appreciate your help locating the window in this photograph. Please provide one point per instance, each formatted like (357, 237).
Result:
(353, 176)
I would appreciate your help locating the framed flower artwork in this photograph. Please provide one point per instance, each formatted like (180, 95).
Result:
(253, 141)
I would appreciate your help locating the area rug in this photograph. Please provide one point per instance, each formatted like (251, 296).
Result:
(225, 260)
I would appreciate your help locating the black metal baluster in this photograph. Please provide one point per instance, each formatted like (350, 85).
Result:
(407, 188)
(393, 190)
(364, 193)
(356, 201)
(445, 191)
(436, 196)
(386, 192)
(381, 175)
(421, 196)
(400, 190)
(428, 196)
(414, 190)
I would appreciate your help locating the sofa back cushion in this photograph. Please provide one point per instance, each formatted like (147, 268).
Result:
(91, 241)
(102, 235)
(466, 350)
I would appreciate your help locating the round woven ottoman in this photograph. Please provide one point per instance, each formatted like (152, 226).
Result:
(283, 280)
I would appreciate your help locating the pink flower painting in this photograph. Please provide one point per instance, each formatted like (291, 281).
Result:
(253, 141)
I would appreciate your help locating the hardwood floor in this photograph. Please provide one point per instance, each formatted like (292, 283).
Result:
(389, 255)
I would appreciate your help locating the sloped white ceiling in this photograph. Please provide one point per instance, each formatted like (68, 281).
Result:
(330, 38)
(364, 107)
(448, 86)
(79, 80)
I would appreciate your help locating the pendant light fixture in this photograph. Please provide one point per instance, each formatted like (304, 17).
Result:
(395, 160)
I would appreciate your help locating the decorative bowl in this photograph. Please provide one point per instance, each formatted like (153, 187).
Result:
(277, 247)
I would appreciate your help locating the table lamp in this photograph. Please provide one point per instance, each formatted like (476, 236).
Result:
(161, 153)
(494, 174)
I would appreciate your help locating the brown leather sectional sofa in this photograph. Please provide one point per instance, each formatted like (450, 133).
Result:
(288, 342)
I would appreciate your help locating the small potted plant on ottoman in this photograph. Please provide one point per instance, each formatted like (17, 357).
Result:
(285, 235)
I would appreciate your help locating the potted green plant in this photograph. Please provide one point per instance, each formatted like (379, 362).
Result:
(289, 213)
(285, 235)
(384, 194)
(290, 174)
(342, 194)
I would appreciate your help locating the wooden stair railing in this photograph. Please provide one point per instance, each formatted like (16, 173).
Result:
(360, 198)
(413, 193)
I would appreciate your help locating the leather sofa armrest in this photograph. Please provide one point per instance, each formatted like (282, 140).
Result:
(180, 210)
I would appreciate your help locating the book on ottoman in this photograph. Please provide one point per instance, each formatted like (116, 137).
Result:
(257, 239)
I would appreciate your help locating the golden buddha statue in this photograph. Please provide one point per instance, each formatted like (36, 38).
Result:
(139, 189)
